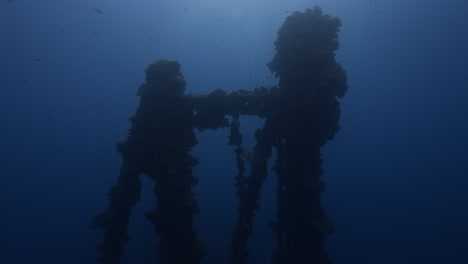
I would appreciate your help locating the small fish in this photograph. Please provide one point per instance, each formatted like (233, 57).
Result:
(98, 10)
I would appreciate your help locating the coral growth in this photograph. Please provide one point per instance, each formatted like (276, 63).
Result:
(301, 115)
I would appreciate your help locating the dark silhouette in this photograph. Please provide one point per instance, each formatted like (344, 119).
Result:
(301, 115)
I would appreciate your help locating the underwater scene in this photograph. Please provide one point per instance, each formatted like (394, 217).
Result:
(234, 131)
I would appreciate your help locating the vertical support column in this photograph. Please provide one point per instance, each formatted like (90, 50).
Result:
(158, 145)
(115, 218)
(308, 116)
(249, 193)
(167, 118)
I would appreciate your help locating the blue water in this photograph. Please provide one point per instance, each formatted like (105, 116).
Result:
(396, 173)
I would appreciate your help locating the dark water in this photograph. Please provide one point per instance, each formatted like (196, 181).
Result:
(396, 172)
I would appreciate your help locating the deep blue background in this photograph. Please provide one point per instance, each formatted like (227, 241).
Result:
(396, 173)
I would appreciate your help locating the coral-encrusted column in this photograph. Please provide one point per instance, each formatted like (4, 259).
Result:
(308, 115)
(158, 145)
(165, 120)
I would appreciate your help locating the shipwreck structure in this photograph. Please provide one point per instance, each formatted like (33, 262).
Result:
(300, 115)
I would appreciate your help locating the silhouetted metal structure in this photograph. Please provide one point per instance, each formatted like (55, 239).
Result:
(301, 114)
